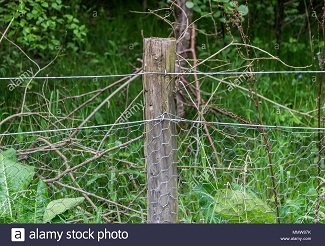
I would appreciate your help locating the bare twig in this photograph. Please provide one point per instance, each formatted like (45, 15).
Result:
(99, 197)
(5, 32)
(65, 159)
(101, 91)
(97, 156)
(25, 114)
(104, 102)
(198, 96)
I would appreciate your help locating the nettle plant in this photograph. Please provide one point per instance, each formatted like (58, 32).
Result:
(42, 27)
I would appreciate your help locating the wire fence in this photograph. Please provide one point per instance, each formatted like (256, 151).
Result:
(196, 171)
(215, 172)
(235, 174)
(166, 73)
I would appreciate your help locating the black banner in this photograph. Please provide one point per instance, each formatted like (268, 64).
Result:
(165, 235)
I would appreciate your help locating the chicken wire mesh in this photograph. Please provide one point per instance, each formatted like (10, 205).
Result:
(227, 173)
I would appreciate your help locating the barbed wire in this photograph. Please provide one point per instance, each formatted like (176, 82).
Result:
(164, 73)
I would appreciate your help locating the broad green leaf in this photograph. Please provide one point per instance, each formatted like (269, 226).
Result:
(189, 4)
(10, 154)
(14, 178)
(242, 207)
(59, 206)
(243, 10)
(41, 200)
(217, 14)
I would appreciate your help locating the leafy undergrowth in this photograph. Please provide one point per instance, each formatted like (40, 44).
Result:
(24, 199)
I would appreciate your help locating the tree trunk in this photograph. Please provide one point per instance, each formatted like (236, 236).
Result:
(279, 20)
(183, 36)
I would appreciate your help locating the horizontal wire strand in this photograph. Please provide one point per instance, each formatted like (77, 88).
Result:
(160, 73)
(175, 120)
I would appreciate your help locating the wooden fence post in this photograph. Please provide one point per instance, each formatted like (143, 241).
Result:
(160, 141)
